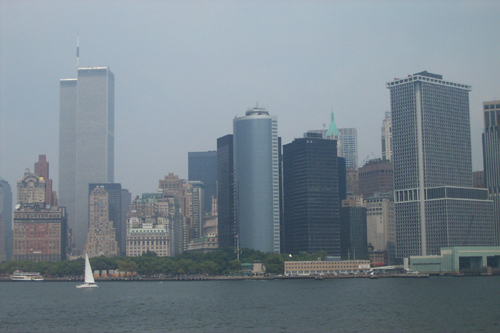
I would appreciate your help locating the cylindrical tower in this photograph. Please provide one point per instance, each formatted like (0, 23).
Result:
(256, 172)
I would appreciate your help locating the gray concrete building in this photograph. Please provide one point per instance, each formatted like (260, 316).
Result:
(491, 158)
(86, 142)
(435, 204)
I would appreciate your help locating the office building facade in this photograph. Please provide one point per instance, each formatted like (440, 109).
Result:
(226, 210)
(202, 166)
(86, 142)
(154, 223)
(381, 230)
(256, 172)
(349, 146)
(6, 231)
(101, 239)
(40, 230)
(375, 176)
(386, 137)
(491, 158)
(353, 233)
(435, 204)
(311, 196)
(115, 210)
(194, 214)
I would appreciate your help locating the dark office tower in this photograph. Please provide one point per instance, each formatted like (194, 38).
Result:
(342, 180)
(225, 192)
(115, 211)
(353, 237)
(491, 158)
(311, 196)
(86, 142)
(256, 173)
(375, 176)
(202, 166)
(6, 233)
(126, 201)
(281, 203)
(435, 204)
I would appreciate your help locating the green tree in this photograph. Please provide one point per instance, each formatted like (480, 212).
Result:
(127, 266)
(273, 263)
(208, 267)
(235, 265)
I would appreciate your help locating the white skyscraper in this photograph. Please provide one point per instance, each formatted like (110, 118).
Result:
(349, 146)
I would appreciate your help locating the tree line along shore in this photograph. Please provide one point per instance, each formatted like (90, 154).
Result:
(218, 263)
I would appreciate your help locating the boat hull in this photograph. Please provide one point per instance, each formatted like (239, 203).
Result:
(87, 286)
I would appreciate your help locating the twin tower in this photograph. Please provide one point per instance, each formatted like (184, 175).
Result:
(86, 142)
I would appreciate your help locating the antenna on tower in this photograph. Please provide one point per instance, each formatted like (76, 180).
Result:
(77, 51)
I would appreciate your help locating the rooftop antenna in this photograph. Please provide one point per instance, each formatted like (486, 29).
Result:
(77, 51)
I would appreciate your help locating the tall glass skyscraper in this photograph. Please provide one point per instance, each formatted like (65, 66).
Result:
(86, 142)
(435, 204)
(256, 172)
(491, 158)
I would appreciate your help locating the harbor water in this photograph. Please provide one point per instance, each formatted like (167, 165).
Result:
(436, 304)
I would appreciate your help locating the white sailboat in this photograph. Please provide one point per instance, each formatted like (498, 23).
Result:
(89, 277)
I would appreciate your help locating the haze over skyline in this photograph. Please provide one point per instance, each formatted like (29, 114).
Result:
(184, 70)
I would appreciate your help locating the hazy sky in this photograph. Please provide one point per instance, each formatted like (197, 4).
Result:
(184, 69)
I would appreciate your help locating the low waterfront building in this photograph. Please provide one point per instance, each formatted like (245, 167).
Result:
(204, 244)
(319, 267)
(460, 259)
(378, 258)
(148, 234)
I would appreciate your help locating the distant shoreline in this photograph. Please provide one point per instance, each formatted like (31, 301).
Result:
(228, 278)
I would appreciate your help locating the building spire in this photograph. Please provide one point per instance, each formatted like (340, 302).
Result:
(332, 128)
(77, 51)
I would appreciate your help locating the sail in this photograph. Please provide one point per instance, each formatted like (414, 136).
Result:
(89, 277)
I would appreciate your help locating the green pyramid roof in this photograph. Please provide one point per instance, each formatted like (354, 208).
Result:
(332, 128)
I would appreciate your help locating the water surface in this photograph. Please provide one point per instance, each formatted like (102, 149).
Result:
(440, 304)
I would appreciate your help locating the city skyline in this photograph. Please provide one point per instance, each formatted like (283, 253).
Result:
(176, 77)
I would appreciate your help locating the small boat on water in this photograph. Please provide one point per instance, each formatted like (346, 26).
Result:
(89, 277)
(26, 276)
